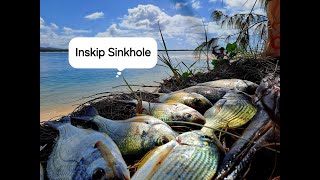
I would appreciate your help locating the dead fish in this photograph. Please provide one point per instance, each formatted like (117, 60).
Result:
(192, 99)
(233, 84)
(212, 94)
(133, 136)
(170, 111)
(233, 110)
(84, 154)
(192, 155)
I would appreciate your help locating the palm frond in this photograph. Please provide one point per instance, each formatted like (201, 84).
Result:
(217, 15)
(204, 45)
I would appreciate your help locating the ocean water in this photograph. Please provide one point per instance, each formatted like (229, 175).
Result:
(61, 85)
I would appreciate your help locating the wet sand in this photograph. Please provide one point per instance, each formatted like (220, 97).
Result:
(56, 112)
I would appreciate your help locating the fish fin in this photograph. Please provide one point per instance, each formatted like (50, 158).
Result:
(57, 124)
(145, 158)
(139, 118)
(132, 101)
(91, 111)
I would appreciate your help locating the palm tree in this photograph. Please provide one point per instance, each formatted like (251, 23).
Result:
(243, 23)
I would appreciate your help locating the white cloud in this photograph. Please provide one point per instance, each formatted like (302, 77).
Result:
(113, 31)
(54, 26)
(144, 17)
(180, 5)
(212, 1)
(241, 4)
(96, 15)
(68, 30)
(51, 36)
(143, 21)
(215, 28)
(195, 4)
(260, 11)
(41, 23)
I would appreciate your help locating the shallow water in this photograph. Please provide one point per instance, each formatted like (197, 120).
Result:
(61, 84)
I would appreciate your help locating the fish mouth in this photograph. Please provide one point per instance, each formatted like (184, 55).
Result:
(118, 171)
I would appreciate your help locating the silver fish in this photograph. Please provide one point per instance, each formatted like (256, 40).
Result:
(233, 84)
(192, 99)
(211, 93)
(133, 136)
(232, 111)
(192, 155)
(84, 154)
(170, 111)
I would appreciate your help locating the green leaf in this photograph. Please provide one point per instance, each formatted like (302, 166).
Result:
(214, 62)
(231, 47)
(185, 75)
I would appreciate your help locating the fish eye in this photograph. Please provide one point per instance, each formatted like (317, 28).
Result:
(98, 174)
(196, 101)
(162, 140)
(187, 116)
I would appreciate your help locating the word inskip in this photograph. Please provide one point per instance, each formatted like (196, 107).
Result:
(113, 52)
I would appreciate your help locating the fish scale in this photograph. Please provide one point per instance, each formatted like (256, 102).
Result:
(230, 116)
(172, 166)
(187, 168)
(133, 136)
(234, 110)
(240, 117)
(202, 165)
(191, 157)
(194, 163)
(247, 113)
(170, 111)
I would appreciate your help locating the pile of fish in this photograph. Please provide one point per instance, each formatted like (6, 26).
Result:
(81, 153)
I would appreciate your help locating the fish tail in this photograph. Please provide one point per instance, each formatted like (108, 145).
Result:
(91, 111)
(88, 115)
(132, 101)
(57, 124)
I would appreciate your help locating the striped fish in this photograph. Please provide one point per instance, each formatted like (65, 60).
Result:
(233, 110)
(211, 93)
(133, 136)
(194, 100)
(170, 111)
(192, 155)
(233, 84)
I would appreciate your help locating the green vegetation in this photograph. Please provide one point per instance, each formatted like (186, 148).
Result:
(251, 29)
(178, 74)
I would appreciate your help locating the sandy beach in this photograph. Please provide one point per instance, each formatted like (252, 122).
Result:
(55, 112)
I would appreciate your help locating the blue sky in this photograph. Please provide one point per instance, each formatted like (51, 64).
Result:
(180, 20)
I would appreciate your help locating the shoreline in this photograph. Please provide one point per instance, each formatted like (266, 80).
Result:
(57, 111)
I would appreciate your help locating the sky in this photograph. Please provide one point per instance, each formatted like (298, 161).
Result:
(181, 21)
